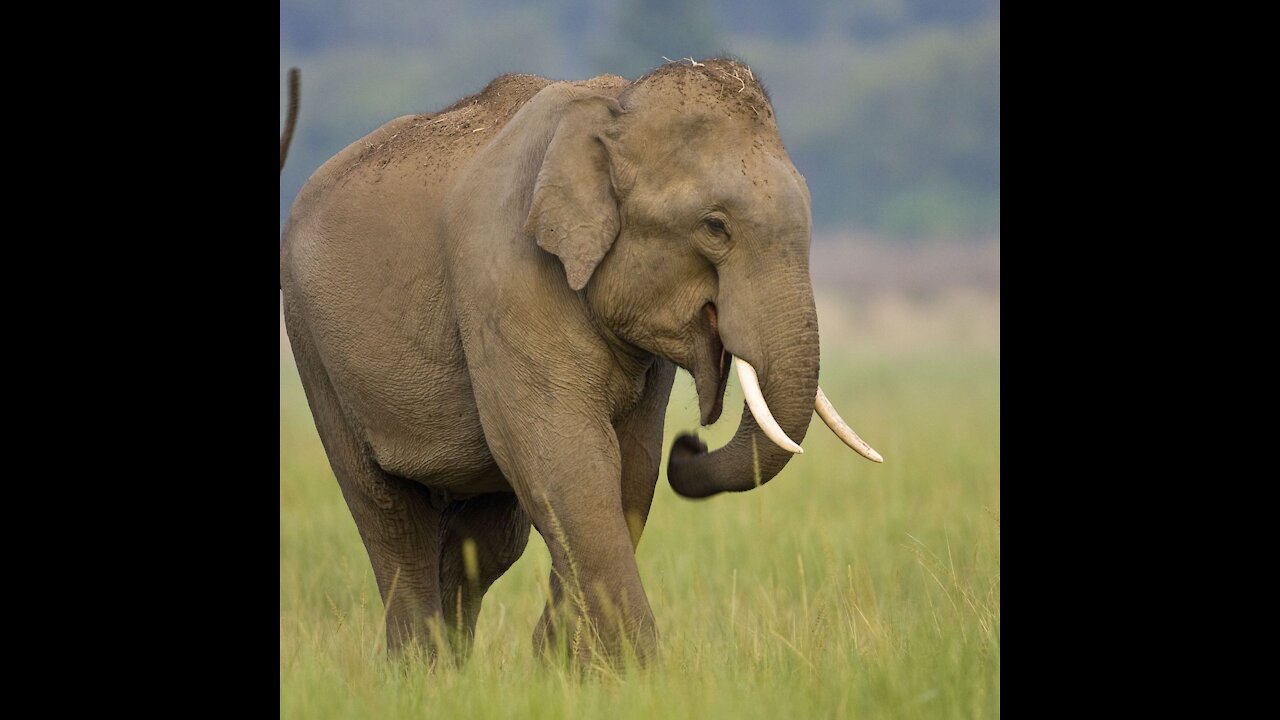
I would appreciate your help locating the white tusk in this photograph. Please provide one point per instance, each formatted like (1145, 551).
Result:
(760, 409)
(828, 413)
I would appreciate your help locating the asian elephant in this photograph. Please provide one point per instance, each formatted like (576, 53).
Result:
(487, 306)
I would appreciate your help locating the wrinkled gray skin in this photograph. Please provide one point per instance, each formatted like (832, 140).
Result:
(487, 307)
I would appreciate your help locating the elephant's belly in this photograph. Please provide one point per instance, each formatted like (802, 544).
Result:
(436, 439)
(411, 401)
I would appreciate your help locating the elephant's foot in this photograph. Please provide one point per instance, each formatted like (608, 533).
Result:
(411, 639)
(616, 631)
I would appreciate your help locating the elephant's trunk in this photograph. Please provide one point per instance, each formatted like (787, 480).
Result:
(784, 353)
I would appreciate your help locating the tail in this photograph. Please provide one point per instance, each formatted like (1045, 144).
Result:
(295, 91)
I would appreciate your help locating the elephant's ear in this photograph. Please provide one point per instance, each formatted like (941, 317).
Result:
(574, 214)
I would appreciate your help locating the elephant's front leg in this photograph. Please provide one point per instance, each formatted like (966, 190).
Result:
(599, 604)
(639, 434)
(566, 470)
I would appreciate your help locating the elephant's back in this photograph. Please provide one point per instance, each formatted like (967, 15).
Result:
(431, 148)
(362, 270)
(424, 152)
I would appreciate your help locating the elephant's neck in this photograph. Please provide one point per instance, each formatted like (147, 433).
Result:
(632, 358)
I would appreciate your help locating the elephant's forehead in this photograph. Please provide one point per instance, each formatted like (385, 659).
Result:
(724, 148)
(758, 184)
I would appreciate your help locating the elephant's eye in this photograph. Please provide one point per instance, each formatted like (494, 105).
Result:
(716, 225)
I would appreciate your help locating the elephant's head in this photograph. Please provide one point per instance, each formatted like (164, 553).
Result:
(679, 212)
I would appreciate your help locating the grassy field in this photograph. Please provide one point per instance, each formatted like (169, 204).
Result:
(841, 589)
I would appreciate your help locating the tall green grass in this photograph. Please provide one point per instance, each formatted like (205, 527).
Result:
(841, 589)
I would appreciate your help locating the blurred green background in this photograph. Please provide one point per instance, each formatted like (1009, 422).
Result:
(890, 108)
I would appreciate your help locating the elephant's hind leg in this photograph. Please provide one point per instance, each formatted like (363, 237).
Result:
(395, 517)
(401, 532)
(480, 538)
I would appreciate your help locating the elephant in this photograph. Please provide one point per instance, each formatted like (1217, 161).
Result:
(487, 306)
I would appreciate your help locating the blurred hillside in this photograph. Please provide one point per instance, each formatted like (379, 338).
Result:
(890, 108)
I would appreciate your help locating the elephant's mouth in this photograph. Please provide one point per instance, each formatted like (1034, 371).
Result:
(712, 375)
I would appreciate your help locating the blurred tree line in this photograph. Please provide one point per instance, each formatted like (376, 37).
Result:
(890, 108)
